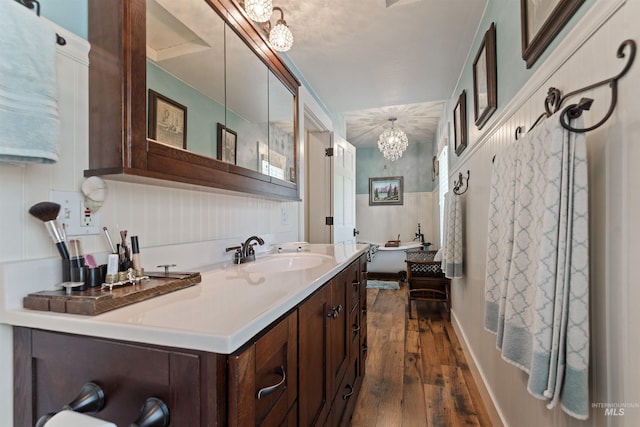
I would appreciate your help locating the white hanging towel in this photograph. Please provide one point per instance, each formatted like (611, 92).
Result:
(452, 254)
(537, 280)
(29, 123)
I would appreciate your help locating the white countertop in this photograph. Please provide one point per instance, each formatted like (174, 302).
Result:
(224, 311)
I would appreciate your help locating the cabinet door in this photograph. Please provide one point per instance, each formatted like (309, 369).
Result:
(263, 378)
(313, 402)
(339, 329)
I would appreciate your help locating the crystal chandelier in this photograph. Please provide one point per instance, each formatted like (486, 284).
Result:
(259, 10)
(280, 35)
(392, 142)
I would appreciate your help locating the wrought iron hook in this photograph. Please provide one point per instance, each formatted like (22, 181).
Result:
(575, 110)
(460, 182)
(554, 100)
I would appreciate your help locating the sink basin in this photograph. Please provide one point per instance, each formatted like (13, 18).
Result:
(280, 263)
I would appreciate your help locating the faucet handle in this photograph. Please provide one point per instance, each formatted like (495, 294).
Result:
(233, 248)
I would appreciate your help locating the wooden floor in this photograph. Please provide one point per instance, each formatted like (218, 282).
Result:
(416, 373)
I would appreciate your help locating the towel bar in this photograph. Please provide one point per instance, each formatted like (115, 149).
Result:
(90, 399)
(35, 4)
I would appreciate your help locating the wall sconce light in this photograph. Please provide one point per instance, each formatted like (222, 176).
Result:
(280, 35)
(259, 10)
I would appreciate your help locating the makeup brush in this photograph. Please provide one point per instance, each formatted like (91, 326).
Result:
(47, 212)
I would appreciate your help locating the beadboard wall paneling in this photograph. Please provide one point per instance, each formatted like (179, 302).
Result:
(381, 223)
(614, 155)
(160, 216)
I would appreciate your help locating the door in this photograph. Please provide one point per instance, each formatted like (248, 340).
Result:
(331, 189)
(318, 187)
(344, 191)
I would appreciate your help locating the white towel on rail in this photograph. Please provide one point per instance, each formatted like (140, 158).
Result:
(537, 281)
(453, 251)
(29, 120)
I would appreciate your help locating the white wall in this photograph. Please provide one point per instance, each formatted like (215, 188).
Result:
(587, 55)
(381, 223)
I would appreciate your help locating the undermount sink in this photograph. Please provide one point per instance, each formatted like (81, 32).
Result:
(280, 263)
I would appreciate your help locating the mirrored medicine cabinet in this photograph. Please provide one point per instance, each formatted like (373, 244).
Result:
(189, 93)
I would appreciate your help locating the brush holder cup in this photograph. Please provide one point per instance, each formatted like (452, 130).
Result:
(74, 271)
(94, 277)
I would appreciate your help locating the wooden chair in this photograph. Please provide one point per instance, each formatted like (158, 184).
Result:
(426, 279)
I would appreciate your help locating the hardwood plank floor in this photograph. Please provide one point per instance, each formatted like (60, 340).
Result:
(417, 374)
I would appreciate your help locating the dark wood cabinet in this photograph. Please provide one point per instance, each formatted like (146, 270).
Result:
(330, 326)
(118, 145)
(304, 369)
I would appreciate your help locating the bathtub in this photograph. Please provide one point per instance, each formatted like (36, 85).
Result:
(391, 260)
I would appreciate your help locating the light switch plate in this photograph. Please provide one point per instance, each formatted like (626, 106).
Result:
(77, 219)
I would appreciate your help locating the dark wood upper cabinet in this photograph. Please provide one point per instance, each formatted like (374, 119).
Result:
(118, 144)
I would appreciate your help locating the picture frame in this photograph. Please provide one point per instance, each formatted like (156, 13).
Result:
(485, 79)
(227, 145)
(541, 21)
(460, 124)
(388, 190)
(167, 120)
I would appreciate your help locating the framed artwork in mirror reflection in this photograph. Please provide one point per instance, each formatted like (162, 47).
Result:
(485, 82)
(167, 120)
(227, 145)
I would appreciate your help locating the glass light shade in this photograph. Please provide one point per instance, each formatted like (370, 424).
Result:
(259, 10)
(281, 37)
(392, 143)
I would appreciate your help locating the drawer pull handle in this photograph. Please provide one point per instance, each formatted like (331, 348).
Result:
(355, 283)
(335, 310)
(268, 390)
(349, 393)
(356, 328)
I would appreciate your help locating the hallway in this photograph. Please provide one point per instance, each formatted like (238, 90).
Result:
(417, 374)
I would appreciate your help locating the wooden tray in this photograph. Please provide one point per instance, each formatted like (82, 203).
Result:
(97, 300)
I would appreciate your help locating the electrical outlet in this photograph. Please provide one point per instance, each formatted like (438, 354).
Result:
(284, 216)
(86, 216)
(74, 216)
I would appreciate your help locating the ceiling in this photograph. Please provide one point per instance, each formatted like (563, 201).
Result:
(373, 59)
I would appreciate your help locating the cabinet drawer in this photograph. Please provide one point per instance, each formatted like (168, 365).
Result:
(51, 368)
(346, 392)
(263, 378)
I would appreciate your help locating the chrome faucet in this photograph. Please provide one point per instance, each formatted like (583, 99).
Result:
(247, 248)
(419, 235)
(244, 252)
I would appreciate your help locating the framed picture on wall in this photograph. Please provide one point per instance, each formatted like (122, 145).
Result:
(167, 120)
(485, 82)
(460, 124)
(227, 146)
(541, 21)
(386, 190)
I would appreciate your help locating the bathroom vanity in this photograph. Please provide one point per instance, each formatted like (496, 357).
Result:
(278, 341)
